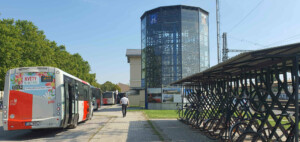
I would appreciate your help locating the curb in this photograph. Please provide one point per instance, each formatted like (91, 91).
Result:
(156, 129)
(98, 130)
(166, 138)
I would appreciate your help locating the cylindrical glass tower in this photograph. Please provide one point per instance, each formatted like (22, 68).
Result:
(174, 45)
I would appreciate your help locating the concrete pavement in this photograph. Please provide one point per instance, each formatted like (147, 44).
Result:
(133, 128)
(136, 128)
(108, 125)
(174, 130)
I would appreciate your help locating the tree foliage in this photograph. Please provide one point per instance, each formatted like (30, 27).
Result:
(108, 86)
(22, 44)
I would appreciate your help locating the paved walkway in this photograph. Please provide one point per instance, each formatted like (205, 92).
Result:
(136, 128)
(108, 125)
(133, 128)
(174, 130)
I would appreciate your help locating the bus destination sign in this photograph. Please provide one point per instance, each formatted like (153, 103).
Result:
(46, 78)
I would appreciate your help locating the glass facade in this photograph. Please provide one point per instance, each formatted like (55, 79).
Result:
(174, 45)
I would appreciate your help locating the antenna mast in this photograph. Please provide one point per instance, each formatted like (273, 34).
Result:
(218, 29)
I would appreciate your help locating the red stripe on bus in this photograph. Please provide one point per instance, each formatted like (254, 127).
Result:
(20, 110)
(104, 100)
(84, 82)
(98, 102)
(85, 109)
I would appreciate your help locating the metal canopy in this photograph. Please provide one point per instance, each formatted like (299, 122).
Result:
(246, 60)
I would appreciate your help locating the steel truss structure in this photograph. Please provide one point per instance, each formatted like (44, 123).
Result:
(251, 97)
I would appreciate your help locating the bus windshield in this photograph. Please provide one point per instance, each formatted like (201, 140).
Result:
(107, 95)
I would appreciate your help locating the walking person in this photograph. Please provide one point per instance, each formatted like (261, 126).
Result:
(125, 103)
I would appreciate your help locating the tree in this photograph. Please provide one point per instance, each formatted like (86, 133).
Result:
(22, 44)
(117, 87)
(108, 86)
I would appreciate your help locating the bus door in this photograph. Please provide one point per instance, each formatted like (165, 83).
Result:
(70, 103)
(73, 101)
(67, 104)
(90, 96)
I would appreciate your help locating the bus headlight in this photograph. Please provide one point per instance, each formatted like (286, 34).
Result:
(4, 106)
(58, 113)
(5, 115)
(58, 109)
(4, 111)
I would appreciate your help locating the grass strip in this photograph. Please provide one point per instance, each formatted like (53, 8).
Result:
(158, 114)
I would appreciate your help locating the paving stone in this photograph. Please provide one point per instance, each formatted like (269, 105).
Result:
(176, 131)
(132, 128)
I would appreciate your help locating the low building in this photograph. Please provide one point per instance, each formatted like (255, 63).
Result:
(124, 87)
(136, 94)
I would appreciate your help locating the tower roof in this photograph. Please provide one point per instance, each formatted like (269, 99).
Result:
(174, 6)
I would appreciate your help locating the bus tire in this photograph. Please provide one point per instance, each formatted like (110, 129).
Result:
(73, 126)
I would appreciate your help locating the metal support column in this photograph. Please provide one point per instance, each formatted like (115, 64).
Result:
(296, 90)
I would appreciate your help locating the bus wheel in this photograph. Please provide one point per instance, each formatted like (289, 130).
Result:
(72, 126)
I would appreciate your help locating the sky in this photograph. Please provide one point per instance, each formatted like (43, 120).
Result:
(101, 30)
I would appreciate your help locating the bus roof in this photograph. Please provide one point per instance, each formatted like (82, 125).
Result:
(44, 69)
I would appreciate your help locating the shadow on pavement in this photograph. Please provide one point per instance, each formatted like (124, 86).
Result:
(175, 130)
(110, 109)
(28, 134)
(139, 131)
(21, 135)
(135, 108)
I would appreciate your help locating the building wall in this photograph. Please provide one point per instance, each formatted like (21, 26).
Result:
(137, 100)
(124, 87)
(135, 71)
(173, 38)
(162, 106)
(136, 97)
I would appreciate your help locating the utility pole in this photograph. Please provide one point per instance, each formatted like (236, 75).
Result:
(218, 29)
(225, 49)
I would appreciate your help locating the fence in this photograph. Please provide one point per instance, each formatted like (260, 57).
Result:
(251, 97)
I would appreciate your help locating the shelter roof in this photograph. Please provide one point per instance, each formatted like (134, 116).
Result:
(246, 60)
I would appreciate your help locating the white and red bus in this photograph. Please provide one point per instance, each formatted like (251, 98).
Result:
(109, 98)
(44, 97)
(97, 97)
